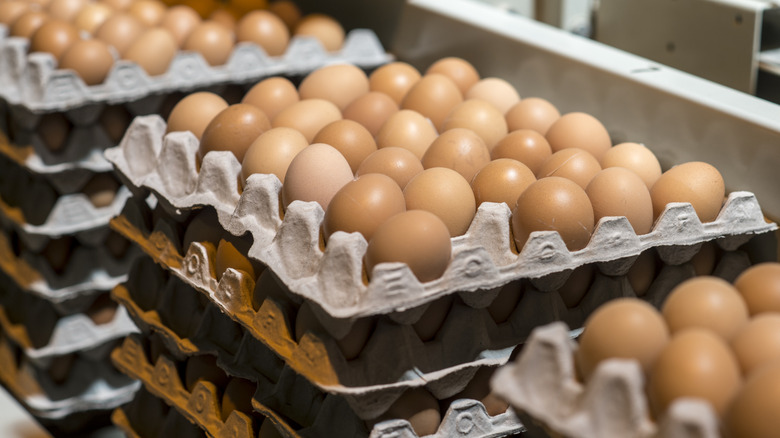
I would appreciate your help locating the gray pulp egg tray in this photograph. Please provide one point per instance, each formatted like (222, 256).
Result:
(148, 416)
(482, 260)
(34, 81)
(542, 384)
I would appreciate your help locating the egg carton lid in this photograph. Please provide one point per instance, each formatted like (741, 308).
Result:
(542, 382)
(34, 81)
(165, 165)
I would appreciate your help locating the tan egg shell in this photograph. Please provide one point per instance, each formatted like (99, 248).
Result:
(643, 272)
(230, 257)
(394, 79)
(407, 129)
(398, 163)
(54, 36)
(266, 30)
(65, 9)
(524, 145)
(54, 130)
(620, 192)
(315, 174)
(459, 70)
(481, 117)
(573, 163)
(757, 343)
(504, 304)
(101, 190)
(272, 95)
(434, 96)
(203, 227)
(233, 129)
(419, 408)
(433, 318)
(153, 51)
(10, 10)
(91, 16)
(554, 204)
(498, 92)
(212, 40)
(90, 59)
(272, 152)
(501, 180)
(459, 149)
(695, 182)
(180, 20)
(119, 31)
(194, 112)
(326, 29)
(339, 83)
(350, 138)
(532, 113)
(705, 260)
(224, 17)
(350, 345)
(579, 130)
(28, 23)
(759, 286)
(148, 12)
(371, 110)
(102, 310)
(577, 285)
(287, 10)
(635, 157)
(119, 5)
(445, 193)
(756, 407)
(308, 116)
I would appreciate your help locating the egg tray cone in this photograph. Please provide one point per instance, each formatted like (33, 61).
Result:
(146, 416)
(542, 384)
(34, 80)
(333, 278)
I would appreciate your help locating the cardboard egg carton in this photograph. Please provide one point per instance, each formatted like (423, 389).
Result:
(542, 384)
(34, 80)
(146, 416)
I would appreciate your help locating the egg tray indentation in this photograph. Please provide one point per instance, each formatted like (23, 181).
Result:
(34, 81)
(542, 384)
(146, 416)
(86, 271)
(165, 165)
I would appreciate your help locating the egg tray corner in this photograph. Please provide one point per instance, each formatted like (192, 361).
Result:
(34, 81)
(148, 160)
(541, 383)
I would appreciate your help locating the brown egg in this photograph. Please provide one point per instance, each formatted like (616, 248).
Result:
(532, 113)
(479, 389)
(394, 79)
(350, 345)
(409, 130)
(119, 31)
(371, 110)
(620, 192)
(272, 95)
(224, 17)
(90, 59)
(459, 70)
(315, 174)
(398, 163)
(502, 307)
(287, 10)
(754, 411)
(203, 367)
(704, 261)
(238, 397)
(526, 146)
(445, 193)
(10, 10)
(577, 286)
(705, 302)
(415, 237)
(643, 272)
(573, 163)
(419, 408)
(338, 83)
(433, 318)
(622, 328)
(114, 120)
(28, 23)
(119, 5)
(54, 130)
(212, 40)
(194, 112)
(180, 20)
(636, 158)
(308, 116)
(324, 28)
(757, 343)
(266, 30)
(267, 429)
(579, 130)
(91, 16)
(498, 92)
(153, 51)
(459, 149)
(481, 117)
(102, 310)
(58, 251)
(695, 363)
(101, 190)
(60, 366)
(229, 257)
(233, 129)
(203, 227)
(272, 152)
(759, 286)
(149, 12)
(695, 182)
(54, 36)
(363, 205)
(554, 204)
(350, 138)
(434, 96)
(65, 9)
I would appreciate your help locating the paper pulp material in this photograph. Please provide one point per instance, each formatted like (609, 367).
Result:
(333, 278)
(542, 384)
(149, 417)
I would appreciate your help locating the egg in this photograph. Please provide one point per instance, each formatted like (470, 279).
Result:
(573, 163)
(705, 302)
(272, 95)
(445, 193)
(695, 182)
(272, 152)
(203, 227)
(625, 328)
(233, 129)
(498, 92)
(102, 310)
(398, 163)
(180, 20)
(433, 318)
(54, 36)
(394, 79)
(212, 40)
(225, 17)
(338, 83)
(554, 204)
(636, 158)
(694, 363)
(755, 408)
(308, 116)
(350, 138)
(57, 253)
(371, 110)
(417, 238)
(350, 345)
(324, 28)
(119, 5)
(28, 23)
(266, 30)
(101, 190)
(524, 145)
(10, 10)
(148, 12)
(315, 174)
(229, 257)
(114, 121)
(579, 130)
(194, 112)
(54, 130)
(502, 307)
(363, 205)
(481, 117)
(60, 367)
(577, 285)
(238, 397)
(65, 9)
(759, 286)
(642, 272)
(502, 180)
(90, 59)
(459, 70)
(119, 31)
(434, 96)
(287, 10)
(407, 129)
(459, 149)
(419, 408)
(620, 192)
(153, 51)
(757, 343)
(203, 367)
(705, 260)
(91, 16)
(532, 113)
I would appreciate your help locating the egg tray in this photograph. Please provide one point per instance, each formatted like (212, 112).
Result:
(542, 384)
(34, 81)
(146, 416)
(147, 160)
(86, 272)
